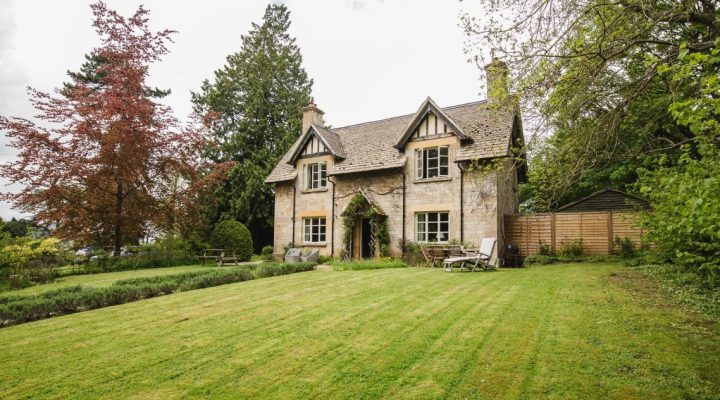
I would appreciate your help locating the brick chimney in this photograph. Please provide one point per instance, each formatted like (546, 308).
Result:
(498, 85)
(312, 115)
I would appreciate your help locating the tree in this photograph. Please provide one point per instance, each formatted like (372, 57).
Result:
(588, 73)
(257, 98)
(17, 227)
(108, 162)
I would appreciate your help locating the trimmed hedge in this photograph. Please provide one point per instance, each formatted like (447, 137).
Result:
(18, 309)
(358, 265)
(235, 236)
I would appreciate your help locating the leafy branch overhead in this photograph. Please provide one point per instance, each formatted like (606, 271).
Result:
(588, 73)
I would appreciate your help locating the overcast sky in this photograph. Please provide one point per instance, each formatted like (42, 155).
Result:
(370, 59)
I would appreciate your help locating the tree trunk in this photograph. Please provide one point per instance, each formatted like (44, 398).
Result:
(118, 232)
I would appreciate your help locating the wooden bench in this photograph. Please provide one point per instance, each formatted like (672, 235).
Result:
(221, 256)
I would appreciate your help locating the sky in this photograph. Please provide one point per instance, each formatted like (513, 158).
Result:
(369, 59)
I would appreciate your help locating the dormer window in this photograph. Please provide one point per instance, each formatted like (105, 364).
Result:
(432, 162)
(316, 176)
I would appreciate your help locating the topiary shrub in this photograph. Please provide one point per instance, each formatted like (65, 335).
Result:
(233, 235)
(267, 253)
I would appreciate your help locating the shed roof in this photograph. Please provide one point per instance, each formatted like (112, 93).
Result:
(606, 200)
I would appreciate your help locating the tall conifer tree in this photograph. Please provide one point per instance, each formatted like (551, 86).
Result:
(256, 99)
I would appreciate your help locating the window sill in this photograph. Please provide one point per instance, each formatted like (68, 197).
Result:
(427, 180)
(319, 190)
(319, 244)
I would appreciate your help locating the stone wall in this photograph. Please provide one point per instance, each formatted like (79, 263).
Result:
(487, 197)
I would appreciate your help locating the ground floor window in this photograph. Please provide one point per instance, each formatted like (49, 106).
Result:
(314, 229)
(432, 227)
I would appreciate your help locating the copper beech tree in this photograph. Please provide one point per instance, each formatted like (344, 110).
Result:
(106, 162)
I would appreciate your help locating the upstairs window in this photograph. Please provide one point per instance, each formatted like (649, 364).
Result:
(314, 230)
(432, 162)
(432, 227)
(316, 176)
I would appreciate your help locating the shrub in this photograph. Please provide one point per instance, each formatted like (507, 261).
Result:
(232, 235)
(573, 249)
(358, 265)
(33, 260)
(625, 247)
(545, 249)
(267, 253)
(167, 252)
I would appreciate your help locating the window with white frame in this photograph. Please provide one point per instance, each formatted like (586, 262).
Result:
(314, 230)
(432, 162)
(432, 227)
(316, 176)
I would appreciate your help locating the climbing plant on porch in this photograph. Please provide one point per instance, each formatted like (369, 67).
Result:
(380, 237)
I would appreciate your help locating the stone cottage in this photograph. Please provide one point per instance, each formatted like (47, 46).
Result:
(441, 174)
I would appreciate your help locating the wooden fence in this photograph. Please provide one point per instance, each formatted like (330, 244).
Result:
(596, 229)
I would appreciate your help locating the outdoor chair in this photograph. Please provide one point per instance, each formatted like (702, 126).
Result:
(433, 255)
(477, 259)
(455, 251)
(293, 256)
(310, 256)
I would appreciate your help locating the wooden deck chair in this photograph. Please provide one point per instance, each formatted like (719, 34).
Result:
(477, 259)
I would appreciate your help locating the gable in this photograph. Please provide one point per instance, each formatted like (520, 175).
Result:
(317, 141)
(431, 125)
(314, 147)
(426, 122)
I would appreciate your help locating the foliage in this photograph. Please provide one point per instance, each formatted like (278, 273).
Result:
(16, 227)
(575, 248)
(685, 222)
(625, 247)
(33, 260)
(360, 207)
(267, 253)
(167, 252)
(359, 265)
(545, 249)
(233, 235)
(108, 162)
(257, 98)
(19, 309)
(589, 74)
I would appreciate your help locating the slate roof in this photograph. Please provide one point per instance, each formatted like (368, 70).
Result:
(369, 146)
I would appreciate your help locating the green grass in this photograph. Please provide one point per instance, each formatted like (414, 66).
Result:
(104, 279)
(561, 331)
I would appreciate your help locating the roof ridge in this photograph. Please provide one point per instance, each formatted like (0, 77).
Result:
(404, 115)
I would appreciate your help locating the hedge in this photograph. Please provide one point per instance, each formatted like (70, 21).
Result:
(18, 309)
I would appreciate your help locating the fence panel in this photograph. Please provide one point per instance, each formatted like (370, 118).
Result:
(596, 229)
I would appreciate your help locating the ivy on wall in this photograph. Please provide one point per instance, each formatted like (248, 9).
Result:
(380, 236)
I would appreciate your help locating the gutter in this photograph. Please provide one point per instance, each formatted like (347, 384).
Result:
(404, 244)
(332, 219)
(292, 239)
(462, 209)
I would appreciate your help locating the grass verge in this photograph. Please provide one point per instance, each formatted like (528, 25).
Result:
(18, 309)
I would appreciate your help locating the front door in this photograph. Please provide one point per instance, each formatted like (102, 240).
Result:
(366, 239)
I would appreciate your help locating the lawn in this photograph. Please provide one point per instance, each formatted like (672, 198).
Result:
(561, 331)
(105, 279)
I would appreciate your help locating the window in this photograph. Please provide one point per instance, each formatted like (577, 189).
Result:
(314, 229)
(316, 176)
(432, 162)
(432, 227)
